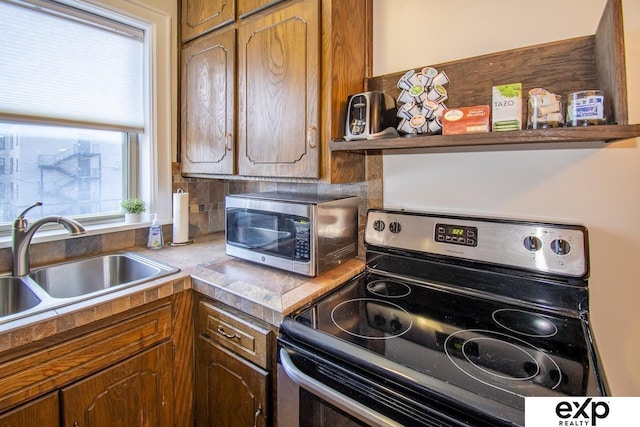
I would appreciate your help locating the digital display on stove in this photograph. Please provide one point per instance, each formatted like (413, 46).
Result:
(456, 234)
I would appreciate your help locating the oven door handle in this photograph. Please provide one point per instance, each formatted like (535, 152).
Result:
(338, 400)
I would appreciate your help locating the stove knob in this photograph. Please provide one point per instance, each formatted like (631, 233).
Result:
(378, 225)
(532, 243)
(560, 247)
(395, 227)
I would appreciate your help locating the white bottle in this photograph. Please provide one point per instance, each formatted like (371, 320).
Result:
(156, 240)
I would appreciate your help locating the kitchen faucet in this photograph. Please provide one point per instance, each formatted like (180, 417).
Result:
(22, 235)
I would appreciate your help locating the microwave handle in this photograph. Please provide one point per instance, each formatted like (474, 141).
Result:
(338, 400)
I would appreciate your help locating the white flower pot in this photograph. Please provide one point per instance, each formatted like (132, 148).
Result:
(131, 218)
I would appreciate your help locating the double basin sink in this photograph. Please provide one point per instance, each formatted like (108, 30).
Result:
(54, 286)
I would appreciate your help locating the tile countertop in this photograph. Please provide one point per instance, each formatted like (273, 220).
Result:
(263, 292)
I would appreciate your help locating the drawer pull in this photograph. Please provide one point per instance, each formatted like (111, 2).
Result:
(222, 332)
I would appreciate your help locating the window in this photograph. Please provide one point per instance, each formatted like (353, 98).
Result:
(74, 105)
(73, 171)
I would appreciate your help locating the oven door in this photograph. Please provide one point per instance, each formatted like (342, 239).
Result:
(306, 401)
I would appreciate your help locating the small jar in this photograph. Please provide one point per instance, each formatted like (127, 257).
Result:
(586, 108)
(545, 111)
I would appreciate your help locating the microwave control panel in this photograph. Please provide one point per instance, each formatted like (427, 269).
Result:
(303, 241)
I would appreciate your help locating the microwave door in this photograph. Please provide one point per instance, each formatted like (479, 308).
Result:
(258, 237)
(265, 232)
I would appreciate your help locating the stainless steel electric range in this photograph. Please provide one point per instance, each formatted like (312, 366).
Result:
(454, 321)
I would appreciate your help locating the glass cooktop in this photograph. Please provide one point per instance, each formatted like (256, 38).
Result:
(493, 348)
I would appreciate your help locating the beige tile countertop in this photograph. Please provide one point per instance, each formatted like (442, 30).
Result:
(266, 293)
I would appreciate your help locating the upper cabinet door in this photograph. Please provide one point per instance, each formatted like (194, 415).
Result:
(201, 16)
(208, 85)
(278, 93)
(247, 7)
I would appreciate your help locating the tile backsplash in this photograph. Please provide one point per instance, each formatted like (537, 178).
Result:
(206, 214)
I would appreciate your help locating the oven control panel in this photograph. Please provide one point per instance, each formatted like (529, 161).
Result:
(538, 246)
(456, 234)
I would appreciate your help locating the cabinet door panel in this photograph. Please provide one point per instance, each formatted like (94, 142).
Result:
(42, 412)
(278, 91)
(231, 392)
(208, 104)
(136, 392)
(200, 16)
(247, 7)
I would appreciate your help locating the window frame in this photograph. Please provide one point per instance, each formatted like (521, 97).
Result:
(158, 145)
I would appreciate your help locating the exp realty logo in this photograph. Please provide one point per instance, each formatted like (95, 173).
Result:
(574, 411)
(584, 413)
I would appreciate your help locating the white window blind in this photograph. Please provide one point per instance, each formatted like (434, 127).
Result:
(60, 65)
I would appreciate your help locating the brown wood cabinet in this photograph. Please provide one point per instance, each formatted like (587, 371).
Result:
(136, 392)
(208, 106)
(134, 368)
(247, 7)
(42, 412)
(234, 368)
(229, 390)
(278, 105)
(297, 63)
(201, 16)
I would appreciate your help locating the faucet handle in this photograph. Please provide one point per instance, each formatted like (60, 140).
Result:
(21, 222)
(28, 209)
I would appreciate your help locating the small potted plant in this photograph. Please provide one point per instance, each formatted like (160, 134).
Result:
(132, 210)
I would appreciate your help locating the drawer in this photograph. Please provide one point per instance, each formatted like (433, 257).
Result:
(236, 331)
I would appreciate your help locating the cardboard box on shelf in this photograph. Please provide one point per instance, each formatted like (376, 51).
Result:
(456, 121)
(507, 107)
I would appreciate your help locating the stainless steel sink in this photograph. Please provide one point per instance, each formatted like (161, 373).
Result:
(15, 296)
(97, 275)
(51, 287)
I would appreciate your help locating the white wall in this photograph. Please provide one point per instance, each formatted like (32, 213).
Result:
(598, 187)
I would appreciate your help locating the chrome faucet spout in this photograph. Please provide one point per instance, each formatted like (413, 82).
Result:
(23, 233)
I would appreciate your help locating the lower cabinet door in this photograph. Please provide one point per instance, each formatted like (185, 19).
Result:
(41, 412)
(135, 392)
(230, 391)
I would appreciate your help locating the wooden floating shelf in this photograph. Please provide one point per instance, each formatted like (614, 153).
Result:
(604, 133)
(562, 67)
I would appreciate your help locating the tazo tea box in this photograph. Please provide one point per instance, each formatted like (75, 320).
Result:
(456, 121)
(507, 107)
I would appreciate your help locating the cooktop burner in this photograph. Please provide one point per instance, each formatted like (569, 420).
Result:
(524, 322)
(498, 359)
(389, 288)
(389, 320)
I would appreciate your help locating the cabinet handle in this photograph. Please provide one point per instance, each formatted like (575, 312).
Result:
(312, 136)
(257, 414)
(222, 332)
(229, 144)
(75, 424)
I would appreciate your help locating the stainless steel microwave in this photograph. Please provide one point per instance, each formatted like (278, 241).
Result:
(303, 233)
